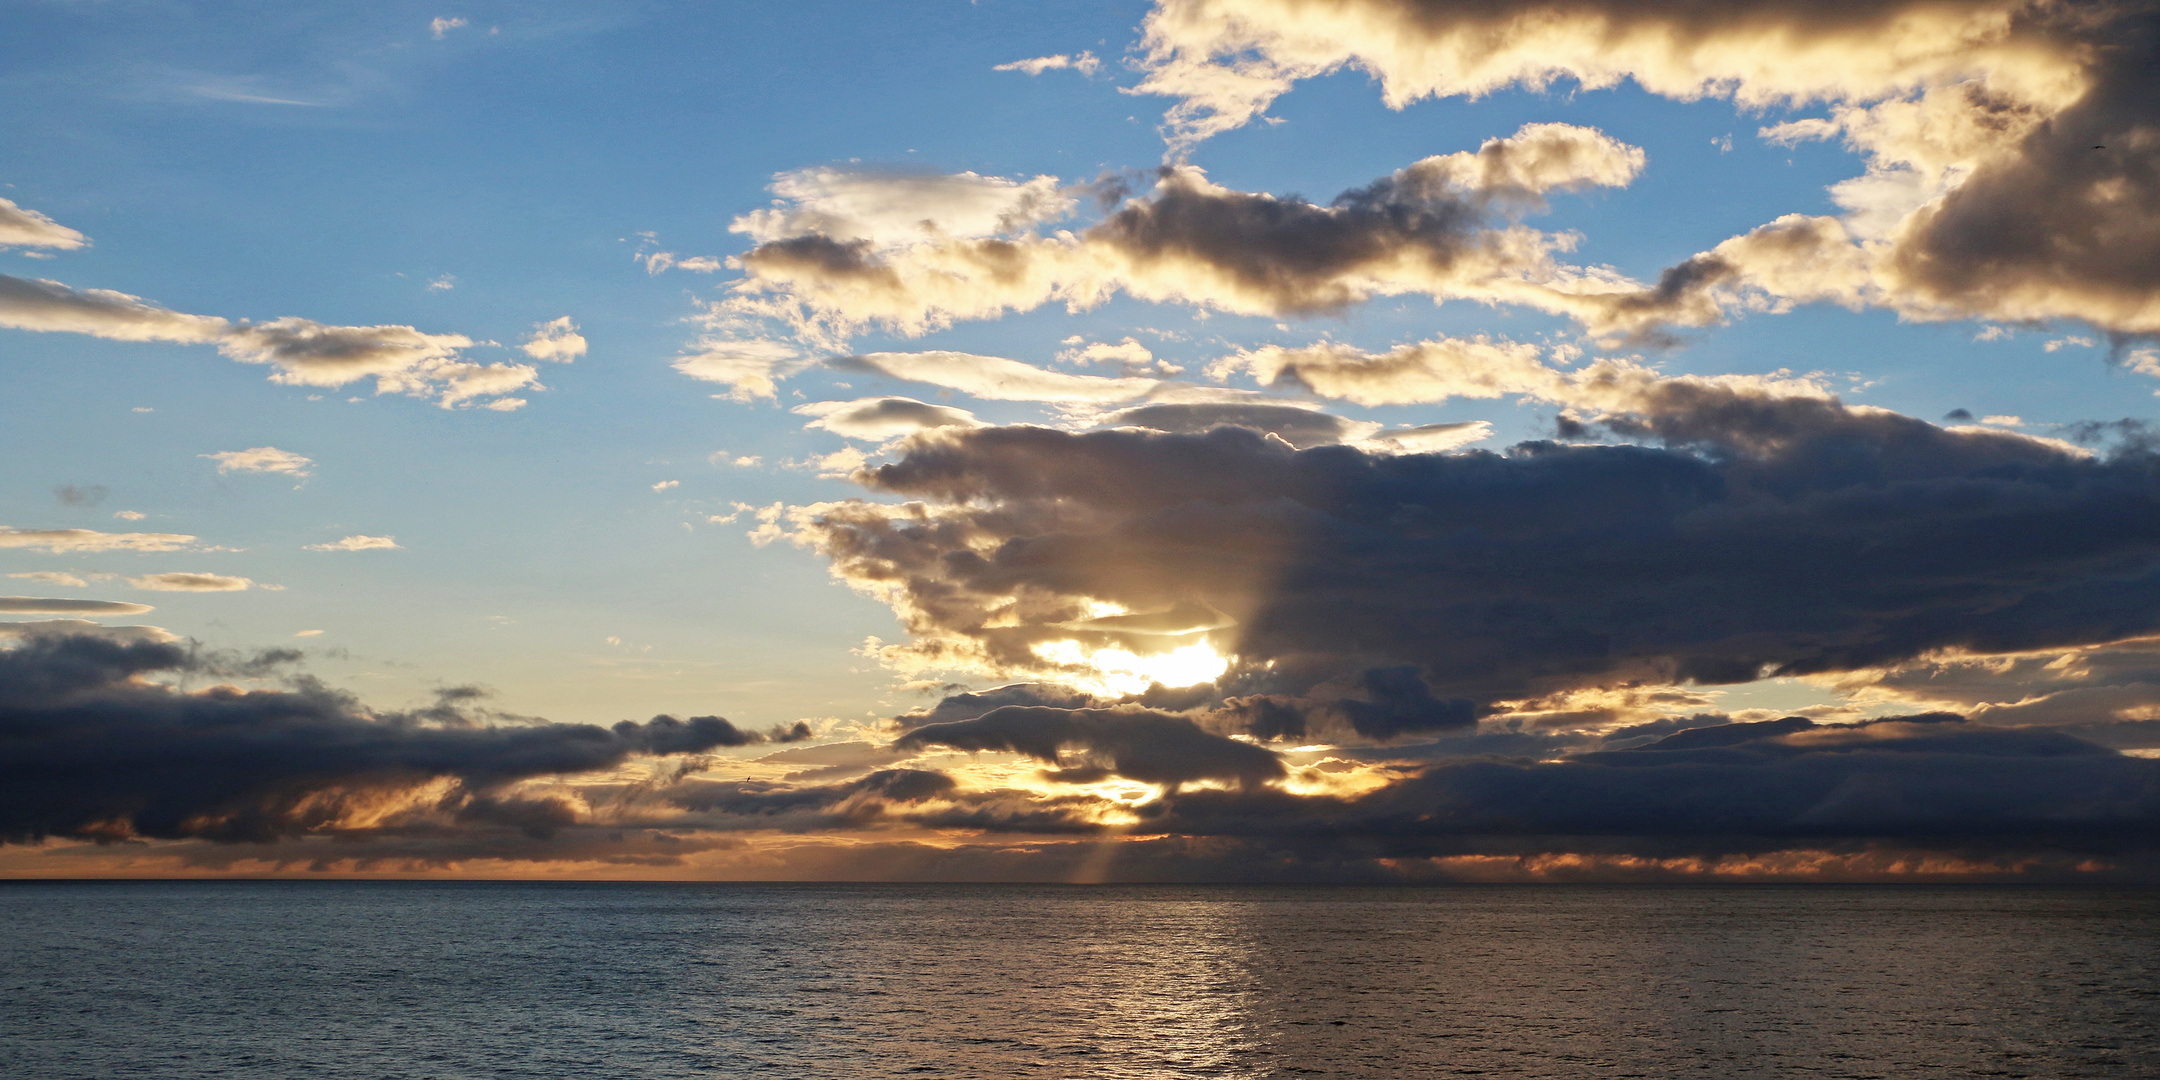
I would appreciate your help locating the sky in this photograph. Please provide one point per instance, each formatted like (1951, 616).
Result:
(1304, 440)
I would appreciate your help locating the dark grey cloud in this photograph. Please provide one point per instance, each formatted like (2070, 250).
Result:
(1923, 781)
(1294, 425)
(1757, 535)
(1090, 744)
(91, 748)
(969, 704)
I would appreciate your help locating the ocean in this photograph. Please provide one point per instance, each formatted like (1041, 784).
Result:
(383, 980)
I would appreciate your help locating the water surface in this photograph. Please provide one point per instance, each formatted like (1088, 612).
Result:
(470, 980)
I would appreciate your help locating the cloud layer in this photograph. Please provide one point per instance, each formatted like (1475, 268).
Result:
(1757, 534)
(2010, 145)
(1441, 227)
(301, 352)
(97, 751)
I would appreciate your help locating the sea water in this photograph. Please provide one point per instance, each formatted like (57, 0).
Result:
(380, 980)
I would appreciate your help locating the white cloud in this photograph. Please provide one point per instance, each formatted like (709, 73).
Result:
(1428, 438)
(185, 582)
(881, 418)
(262, 459)
(557, 340)
(52, 577)
(889, 208)
(657, 261)
(458, 382)
(1128, 351)
(308, 633)
(994, 378)
(129, 515)
(49, 306)
(1443, 369)
(444, 283)
(442, 25)
(1423, 230)
(47, 629)
(69, 540)
(666, 484)
(357, 543)
(1536, 159)
(303, 352)
(1086, 64)
(2009, 128)
(309, 353)
(37, 605)
(21, 227)
(1227, 60)
(747, 367)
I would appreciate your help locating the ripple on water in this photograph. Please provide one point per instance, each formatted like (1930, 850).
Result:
(451, 980)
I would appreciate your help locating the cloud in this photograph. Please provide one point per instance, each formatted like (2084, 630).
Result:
(1440, 227)
(303, 352)
(20, 227)
(666, 484)
(994, 378)
(747, 367)
(48, 307)
(441, 25)
(98, 751)
(1928, 781)
(886, 208)
(881, 418)
(969, 704)
(58, 541)
(129, 515)
(308, 353)
(357, 542)
(1428, 438)
(1227, 60)
(1298, 425)
(32, 605)
(1755, 534)
(1129, 354)
(657, 261)
(1087, 744)
(181, 582)
(52, 577)
(310, 779)
(72, 495)
(1446, 369)
(2010, 172)
(1086, 64)
(556, 340)
(262, 459)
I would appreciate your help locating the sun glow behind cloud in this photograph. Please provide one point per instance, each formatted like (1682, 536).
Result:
(1122, 671)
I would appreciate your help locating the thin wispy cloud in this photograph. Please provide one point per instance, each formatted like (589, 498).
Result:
(357, 542)
(263, 459)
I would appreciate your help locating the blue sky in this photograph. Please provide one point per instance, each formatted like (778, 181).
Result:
(485, 170)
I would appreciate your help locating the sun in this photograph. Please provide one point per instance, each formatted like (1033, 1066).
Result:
(1118, 672)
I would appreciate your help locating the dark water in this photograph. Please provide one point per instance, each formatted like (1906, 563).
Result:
(352, 980)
